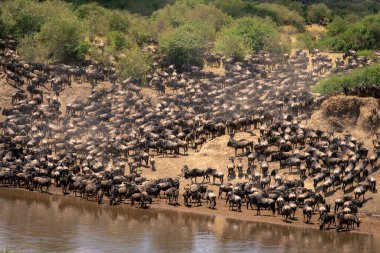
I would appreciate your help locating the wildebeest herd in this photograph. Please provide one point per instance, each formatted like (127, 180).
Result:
(86, 147)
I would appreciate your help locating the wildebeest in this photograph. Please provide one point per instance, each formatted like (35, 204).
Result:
(193, 173)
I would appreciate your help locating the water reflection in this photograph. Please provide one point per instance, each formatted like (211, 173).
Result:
(33, 222)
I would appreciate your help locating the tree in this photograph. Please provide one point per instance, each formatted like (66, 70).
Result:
(62, 38)
(133, 63)
(318, 12)
(281, 15)
(117, 40)
(232, 45)
(23, 17)
(258, 33)
(183, 46)
(364, 34)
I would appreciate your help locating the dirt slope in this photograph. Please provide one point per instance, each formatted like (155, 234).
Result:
(349, 114)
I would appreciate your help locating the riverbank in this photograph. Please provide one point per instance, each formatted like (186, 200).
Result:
(368, 226)
(51, 223)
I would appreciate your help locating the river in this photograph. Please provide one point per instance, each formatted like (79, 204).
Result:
(33, 222)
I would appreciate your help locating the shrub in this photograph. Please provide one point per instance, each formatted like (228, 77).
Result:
(3, 27)
(305, 40)
(174, 16)
(183, 46)
(140, 30)
(235, 8)
(100, 21)
(259, 34)
(281, 15)
(317, 12)
(27, 17)
(232, 45)
(365, 34)
(62, 38)
(292, 5)
(358, 77)
(117, 40)
(30, 50)
(133, 63)
(95, 18)
(368, 53)
(338, 26)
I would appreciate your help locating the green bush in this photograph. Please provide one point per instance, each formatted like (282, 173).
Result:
(183, 46)
(22, 17)
(235, 8)
(174, 16)
(258, 33)
(140, 29)
(358, 77)
(281, 15)
(368, 53)
(95, 19)
(117, 40)
(364, 34)
(62, 38)
(100, 21)
(30, 50)
(338, 26)
(232, 45)
(318, 12)
(293, 5)
(133, 63)
(3, 27)
(305, 40)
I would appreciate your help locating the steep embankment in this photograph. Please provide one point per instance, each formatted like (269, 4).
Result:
(348, 114)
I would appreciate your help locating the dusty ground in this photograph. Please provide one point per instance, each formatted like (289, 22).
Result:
(348, 114)
(215, 154)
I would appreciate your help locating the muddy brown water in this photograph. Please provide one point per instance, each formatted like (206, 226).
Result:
(34, 222)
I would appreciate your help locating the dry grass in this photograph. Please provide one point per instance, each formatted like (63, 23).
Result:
(315, 30)
(215, 70)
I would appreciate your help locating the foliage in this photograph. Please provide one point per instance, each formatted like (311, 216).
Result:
(183, 46)
(358, 77)
(368, 53)
(364, 34)
(22, 17)
(292, 5)
(235, 8)
(133, 63)
(259, 34)
(140, 30)
(31, 50)
(345, 7)
(281, 15)
(318, 12)
(232, 45)
(61, 39)
(103, 30)
(100, 21)
(3, 28)
(143, 7)
(174, 16)
(338, 26)
(117, 40)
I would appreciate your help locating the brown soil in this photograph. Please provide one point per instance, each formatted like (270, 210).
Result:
(348, 114)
